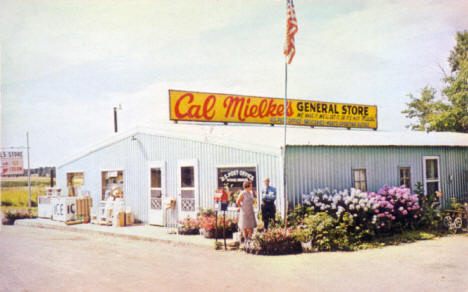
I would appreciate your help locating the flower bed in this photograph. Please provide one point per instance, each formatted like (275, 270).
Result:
(11, 215)
(390, 209)
(275, 241)
(189, 226)
(208, 224)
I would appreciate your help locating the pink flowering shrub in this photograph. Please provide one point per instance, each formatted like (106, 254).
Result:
(396, 208)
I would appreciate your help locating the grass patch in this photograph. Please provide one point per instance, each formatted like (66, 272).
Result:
(18, 196)
(22, 181)
(405, 237)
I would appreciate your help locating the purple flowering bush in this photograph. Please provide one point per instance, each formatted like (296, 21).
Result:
(390, 209)
(397, 208)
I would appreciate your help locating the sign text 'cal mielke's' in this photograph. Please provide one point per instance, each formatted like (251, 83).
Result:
(229, 108)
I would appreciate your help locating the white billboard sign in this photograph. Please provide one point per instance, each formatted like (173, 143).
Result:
(12, 162)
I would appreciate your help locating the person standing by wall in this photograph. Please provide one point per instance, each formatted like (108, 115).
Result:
(247, 221)
(268, 203)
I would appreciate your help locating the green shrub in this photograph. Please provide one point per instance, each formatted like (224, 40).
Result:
(297, 215)
(326, 233)
(431, 218)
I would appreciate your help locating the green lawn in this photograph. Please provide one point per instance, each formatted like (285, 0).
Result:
(22, 181)
(18, 196)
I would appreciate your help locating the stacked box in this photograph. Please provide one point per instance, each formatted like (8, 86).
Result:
(128, 218)
(83, 206)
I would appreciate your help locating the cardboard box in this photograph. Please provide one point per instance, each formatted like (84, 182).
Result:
(128, 219)
(121, 219)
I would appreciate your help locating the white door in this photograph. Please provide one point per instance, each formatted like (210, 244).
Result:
(187, 187)
(157, 192)
(431, 174)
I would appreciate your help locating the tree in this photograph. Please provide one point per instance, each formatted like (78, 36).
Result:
(460, 51)
(450, 113)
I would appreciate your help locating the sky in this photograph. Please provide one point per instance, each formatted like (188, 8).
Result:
(66, 64)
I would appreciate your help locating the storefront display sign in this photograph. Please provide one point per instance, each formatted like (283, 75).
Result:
(12, 162)
(234, 177)
(228, 108)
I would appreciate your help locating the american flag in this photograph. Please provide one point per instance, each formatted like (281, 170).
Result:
(291, 29)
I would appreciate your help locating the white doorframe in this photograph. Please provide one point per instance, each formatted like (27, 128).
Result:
(156, 215)
(425, 180)
(182, 212)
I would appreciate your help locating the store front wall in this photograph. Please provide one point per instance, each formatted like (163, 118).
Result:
(150, 169)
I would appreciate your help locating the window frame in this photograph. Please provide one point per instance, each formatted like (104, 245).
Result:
(403, 178)
(70, 184)
(353, 170)
(111, 170)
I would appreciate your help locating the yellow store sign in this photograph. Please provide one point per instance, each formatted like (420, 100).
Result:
(229, 108)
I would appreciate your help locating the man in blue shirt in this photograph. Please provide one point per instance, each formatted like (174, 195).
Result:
(268, 203)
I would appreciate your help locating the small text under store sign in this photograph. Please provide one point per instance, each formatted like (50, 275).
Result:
(12, 162)
(215, 107)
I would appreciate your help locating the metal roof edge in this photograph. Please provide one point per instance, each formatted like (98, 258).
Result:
(98, 146)
(213, 140)
(379, 145)
(170, 134)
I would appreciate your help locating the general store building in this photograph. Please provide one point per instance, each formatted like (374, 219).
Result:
(188, 162)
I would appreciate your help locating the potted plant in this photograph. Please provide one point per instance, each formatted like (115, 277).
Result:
(189, 226)
(209, 226)
(303, 235)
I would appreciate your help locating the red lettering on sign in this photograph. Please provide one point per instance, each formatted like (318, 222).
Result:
(208, 107)
(194, 110)
(240, 107)
(177, 105)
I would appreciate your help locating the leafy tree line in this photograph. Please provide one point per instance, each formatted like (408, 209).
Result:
(450, 111)
(40, 171)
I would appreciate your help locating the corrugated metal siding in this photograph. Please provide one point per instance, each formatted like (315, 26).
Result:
(132, 156)
(312, 167)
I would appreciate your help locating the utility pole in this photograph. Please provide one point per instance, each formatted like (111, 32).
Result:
(29, 170)
(115, 117)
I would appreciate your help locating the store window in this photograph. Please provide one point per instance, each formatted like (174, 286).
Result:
(187, 176)
(360, 179)
(405, 176)
(112, 183)
(234, 177)
(156, 178)
(431, 174)
(75, 181)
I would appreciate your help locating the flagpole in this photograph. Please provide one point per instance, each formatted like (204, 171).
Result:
(289, 51)
(284, 144)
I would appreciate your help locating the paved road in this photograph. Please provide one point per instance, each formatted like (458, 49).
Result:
(34, 259)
